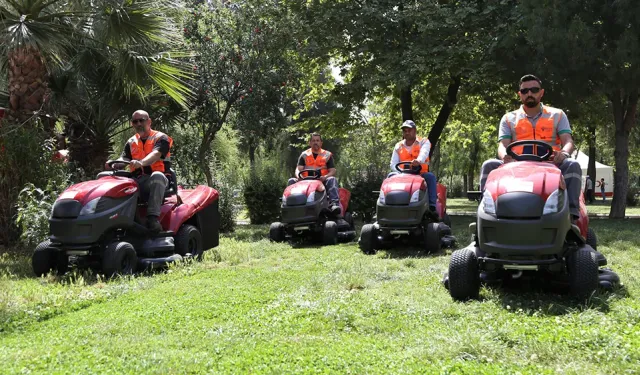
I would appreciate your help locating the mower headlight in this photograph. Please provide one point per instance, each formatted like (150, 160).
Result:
(554, 202)
(311, 197)
(90, 207)
(488, 204)
(381, 197)
(415, 196)
(284, 200)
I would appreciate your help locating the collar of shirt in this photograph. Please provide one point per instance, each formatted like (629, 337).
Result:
(533, 117)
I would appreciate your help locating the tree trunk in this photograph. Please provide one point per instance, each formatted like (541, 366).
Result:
(591, 168)
(28, 79)
(465, 186)
(625, 105)
(203, 162)
(406, 103)
(470, 176)
(449, 104)
(252, 155)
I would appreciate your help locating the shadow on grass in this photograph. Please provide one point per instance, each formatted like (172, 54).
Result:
(554, 300)
(248, 233)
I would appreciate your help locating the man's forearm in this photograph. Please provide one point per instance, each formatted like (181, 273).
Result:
(568, 147)
(153, 157)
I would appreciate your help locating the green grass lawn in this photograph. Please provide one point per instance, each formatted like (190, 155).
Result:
(256, 307)
(598, 207)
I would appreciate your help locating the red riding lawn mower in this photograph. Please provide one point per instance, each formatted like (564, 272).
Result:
(100, 224)
(305, 212)
(403, 214)
(524, 231)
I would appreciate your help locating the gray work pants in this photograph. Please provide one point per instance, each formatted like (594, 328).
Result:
(570, 170)
(152, 189)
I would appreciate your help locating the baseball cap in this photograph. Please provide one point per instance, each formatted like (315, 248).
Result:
(408, 124)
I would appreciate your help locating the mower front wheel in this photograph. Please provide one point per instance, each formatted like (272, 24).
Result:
(189, 241)
(583, 273)
(276, 232)
(330, 233)
(432, 237)
(119, 258)
(464, 277)
(368, 239)
(47, 258)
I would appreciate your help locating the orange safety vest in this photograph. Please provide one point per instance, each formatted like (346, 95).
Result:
(140, 150)
(412, 154)
(319, 162)
(546, 129)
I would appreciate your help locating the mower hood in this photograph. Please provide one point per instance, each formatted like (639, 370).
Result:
(403, 182)
(537, 178)
(304, 187)
(110, 186)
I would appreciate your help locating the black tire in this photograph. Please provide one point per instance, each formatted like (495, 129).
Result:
(592, 239)
(47, 258)
(188, 240)
(119, 258)
(432, 236)
(276, 232)
(464, 276)
(368, 239)
(583, 273)
(348, 217)
(330, 233)
(447, 220)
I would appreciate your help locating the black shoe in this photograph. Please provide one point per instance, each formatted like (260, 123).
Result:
(153, 224)
(335, 208)
(574, 219)
(433, 213)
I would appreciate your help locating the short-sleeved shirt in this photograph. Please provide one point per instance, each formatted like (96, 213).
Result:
(302, 162)
(505, 129)
(161, 145)
(589, 184)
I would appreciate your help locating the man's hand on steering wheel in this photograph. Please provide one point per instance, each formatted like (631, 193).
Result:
(323, 178)
(415, 163)
(559, 157)
(135, 164)
(508, 159)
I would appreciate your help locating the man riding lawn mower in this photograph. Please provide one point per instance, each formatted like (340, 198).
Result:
(129, 220)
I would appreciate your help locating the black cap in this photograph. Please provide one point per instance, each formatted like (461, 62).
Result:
(408, 124)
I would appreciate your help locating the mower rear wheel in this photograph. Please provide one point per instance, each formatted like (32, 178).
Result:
(276, 232)
(447, 220)
(583, 273)
(432, 237)
(368, 239)
(592, 239)
(464, 277)
(189, 241)
(119, 258)
(47, 258)
(330, 233)
(348, 217)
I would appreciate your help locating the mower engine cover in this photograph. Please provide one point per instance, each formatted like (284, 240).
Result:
(524, 190)
(302, 192)
(402, 189)
(85, 196)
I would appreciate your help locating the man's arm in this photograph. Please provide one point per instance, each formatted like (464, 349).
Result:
(425, 148)
(331, 168)
(395, 159)
(564, 133)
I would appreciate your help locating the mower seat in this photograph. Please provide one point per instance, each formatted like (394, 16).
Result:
(172, 186)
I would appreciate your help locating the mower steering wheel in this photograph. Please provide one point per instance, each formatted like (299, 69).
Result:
(119, 172)
(312, 174)
(409, 168)
(529, 157)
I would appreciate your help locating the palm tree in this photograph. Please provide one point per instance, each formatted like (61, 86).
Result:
(91, 63)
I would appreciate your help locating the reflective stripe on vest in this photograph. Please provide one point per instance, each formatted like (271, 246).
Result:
(140, 150)
(413, 153)
(546, 129)
(319, 162)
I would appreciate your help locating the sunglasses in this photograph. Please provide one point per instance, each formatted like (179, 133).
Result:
(533, 90)
(137, 120)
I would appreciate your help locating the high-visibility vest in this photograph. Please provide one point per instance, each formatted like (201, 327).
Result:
(319, 162)
(546, 129)
(140, 150)
(413, 152)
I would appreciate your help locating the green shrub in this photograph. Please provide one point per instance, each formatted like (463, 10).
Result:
(226, 204)
(363, 199)
(632, 194)
(263, 187)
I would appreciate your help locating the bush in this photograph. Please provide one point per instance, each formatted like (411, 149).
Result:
(226, 205)
(632, 194)
(363, 199)
(263, 188)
